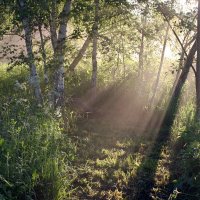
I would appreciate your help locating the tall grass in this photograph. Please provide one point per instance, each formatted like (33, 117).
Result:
(35, 153)
(186, 145)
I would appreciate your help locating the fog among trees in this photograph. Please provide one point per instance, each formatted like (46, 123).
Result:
(100, 99)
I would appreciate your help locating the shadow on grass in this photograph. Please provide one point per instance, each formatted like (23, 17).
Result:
(132, 183)
(184, 180)
(184, 183)
(140, 186)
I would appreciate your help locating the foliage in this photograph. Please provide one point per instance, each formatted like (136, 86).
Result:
(35, 153)
(112, 145)
(186, 145)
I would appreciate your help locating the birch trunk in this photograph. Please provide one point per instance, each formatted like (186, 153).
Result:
(34, 79)
(198, 67)
(94, 50)
(141, 53)
(123, 58)
(80, 54)
(94, 63)
(46, 79)
(160, 67)
(117, 67)
(52, 23)
(59, 56)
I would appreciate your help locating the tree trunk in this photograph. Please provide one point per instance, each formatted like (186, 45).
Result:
(52, 23)
(34, 79)
(94, 63)
(94, 51)
(117, 64)
(198, 67)
(141, 54)
(123, 58)
(182, 56)
(141, 51)
(46, 79)
(160, 67)
(176, 91)
(59, 56)
(80, 53)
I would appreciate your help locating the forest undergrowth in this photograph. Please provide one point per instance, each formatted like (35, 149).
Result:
(99, 100)
(94, 156)
(120, 164)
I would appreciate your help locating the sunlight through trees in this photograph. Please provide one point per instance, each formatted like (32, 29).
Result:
(100, 99)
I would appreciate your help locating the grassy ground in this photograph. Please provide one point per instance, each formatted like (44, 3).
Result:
(118, 164)
(35, 153)
(39, 161)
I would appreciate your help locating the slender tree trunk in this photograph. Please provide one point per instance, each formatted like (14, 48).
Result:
(34, 79)
(176, 91)
(141, 54)
(94, 62)
(123, 58)
(80, 53)
(118, 63)
(160, 67)
(52, 23)
(141, 51)
(182, 56)
(198, 67)
(46, 79)
(59, 56)
(181, 63)
(94, 51)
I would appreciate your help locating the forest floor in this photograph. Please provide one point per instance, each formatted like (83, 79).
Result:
(117, 164)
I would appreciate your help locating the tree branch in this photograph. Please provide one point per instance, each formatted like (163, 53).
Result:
(179, 41)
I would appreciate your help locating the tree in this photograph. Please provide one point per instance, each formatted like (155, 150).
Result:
(141, 51)
(176, 90)
(160, 67)
(44, 56)
(34, 79)
(198, 66)
(59, 84)
(80, 53)
(94, 51)
(52, 24)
